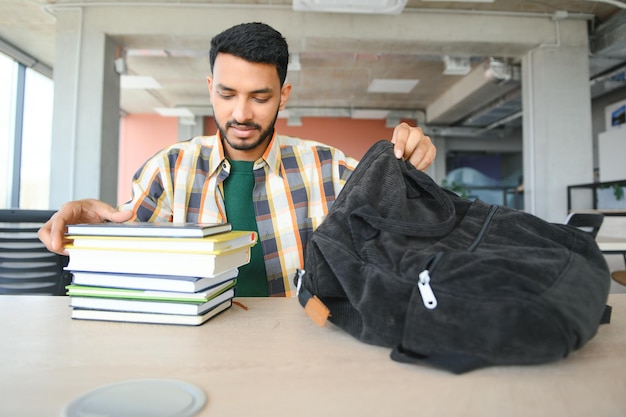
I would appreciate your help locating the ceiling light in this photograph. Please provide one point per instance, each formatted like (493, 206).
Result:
(464, 1)
(391, 86)
(147, 52)
(369, 114)
(350, 6)
(185, 53)
(187, 121)
(456, 65)
(174, 112)
(139, 82)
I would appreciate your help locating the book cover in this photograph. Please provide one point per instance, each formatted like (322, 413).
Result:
(177, 283)
(193, 264)
(149, 229)
(147, 306)
(107, 292)
(152, 318)
(220, 242)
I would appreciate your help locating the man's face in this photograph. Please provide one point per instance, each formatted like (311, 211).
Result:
(246, 99)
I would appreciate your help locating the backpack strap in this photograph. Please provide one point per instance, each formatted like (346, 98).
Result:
(454, 362)
(313, 306)
(606, 315)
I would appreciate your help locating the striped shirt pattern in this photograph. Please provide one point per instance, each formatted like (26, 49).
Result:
(296, 183)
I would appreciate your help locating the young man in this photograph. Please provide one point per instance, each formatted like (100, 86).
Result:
(246, 174)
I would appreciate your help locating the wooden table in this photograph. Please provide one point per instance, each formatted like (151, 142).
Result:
(271, 360)
(612, 245)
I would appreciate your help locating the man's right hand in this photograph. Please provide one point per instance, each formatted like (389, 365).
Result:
(52, 234)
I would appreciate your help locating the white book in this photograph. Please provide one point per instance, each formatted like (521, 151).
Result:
(154, 318)
(193, 264)
(148, 229)
(153, 282)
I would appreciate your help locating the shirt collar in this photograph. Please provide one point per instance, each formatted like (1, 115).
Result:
(271, 156)
(217, 158)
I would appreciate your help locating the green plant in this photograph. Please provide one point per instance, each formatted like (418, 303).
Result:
(618, 191)
(456, 187)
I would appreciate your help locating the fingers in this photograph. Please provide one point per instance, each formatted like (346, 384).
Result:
(411, 144)
(422, 161)
(121, 216)
(400, 137)
(52, 233)
(44, 234)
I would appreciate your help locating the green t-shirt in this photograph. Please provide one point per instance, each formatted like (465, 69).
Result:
(238, 187)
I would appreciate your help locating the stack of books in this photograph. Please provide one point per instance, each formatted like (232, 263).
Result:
(170, 273)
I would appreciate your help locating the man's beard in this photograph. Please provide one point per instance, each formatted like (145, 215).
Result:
(245, 145)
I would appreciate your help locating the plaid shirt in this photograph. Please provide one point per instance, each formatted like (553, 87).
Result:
(297, 182)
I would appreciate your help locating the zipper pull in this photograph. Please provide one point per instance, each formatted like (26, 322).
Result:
(428, 296)
(298, 280)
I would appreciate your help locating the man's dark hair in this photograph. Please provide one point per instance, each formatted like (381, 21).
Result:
(254, 42)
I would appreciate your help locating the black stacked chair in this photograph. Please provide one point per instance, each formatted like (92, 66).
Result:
(26, 266)
(589, 222)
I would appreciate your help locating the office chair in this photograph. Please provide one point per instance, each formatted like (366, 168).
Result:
(26, 266)
(589, 222)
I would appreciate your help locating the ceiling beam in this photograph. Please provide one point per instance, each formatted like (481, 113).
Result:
(418, 32)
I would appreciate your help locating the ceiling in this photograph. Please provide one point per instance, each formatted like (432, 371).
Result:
(333, 74)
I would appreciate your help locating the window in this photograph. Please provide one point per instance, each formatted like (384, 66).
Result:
(36, 141)
(8, 73)
(493, 177)
(26, 132)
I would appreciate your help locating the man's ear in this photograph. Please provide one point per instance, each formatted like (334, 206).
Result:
(285, 91)
(209, 81)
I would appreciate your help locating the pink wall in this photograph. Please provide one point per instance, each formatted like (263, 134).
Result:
(353, 137)
(141, 136)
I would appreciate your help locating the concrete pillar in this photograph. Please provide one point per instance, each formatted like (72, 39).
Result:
(557, 138)
(85, 128)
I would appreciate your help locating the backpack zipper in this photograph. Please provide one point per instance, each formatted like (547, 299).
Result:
(423, 283)
(426, 291)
